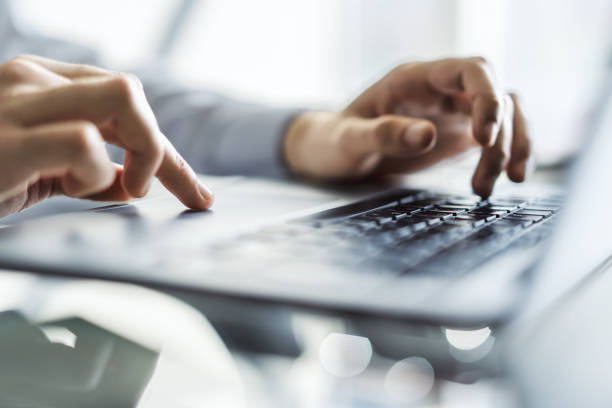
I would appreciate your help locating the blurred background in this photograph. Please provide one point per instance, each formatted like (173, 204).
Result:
(322, 53)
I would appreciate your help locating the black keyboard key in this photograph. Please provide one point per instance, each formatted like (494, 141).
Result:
(476, 220)
(489, 212)
(504, 208)
(416, 224)
(534, 212)
(364, 223)
(446, 233)
(407, 209)
(427, 203)
(455, 209)
(464, 223)
(532, 219)
(391, 212)
(380, 216)
(429, 220)
(442, 215)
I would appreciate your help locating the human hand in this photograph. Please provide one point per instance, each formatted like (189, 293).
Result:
(54, 121)
(416, 116)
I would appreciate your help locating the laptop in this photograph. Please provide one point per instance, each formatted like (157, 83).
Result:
(399, 252)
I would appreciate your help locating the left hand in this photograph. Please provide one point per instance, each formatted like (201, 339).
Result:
(414, 117)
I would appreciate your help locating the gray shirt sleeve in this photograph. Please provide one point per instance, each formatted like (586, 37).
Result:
(215, 134)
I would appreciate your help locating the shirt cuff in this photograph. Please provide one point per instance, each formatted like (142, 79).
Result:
(253, 143)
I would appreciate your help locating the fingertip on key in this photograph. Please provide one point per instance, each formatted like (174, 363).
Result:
(208, 197)
(516, 172)
(481, 188)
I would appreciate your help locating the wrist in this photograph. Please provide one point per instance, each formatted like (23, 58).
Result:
(299, 143)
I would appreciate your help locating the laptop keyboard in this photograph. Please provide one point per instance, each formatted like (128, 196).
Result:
(410, 232)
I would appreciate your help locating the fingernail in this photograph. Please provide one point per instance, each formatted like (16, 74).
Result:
(518, 169)
(490, 134)
(418, 136)
(145, 189)
(206, 194)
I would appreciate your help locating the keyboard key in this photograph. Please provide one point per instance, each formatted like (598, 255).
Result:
(525, 217)
(467, 223)
(432, 221)
(455, 209)
(525, 221)
(504, 208)
(364, 223)
(475, 219)
(489, 212)
(379, 216)
(442, 215)
(507, 202)
(471, 201)
(507, 225)
(416, 224)
(534, 212)
(407, 209)
(538, 207)
(427, 203)
(392, 212)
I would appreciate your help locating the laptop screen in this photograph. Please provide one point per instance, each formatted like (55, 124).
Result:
(583, 239)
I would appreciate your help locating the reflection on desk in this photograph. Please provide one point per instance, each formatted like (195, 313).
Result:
(66, 343)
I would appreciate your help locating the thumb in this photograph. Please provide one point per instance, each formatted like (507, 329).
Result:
(389, 135)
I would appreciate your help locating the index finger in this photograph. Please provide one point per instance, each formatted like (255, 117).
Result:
(474, 77)
(180, 179)
(114, 100)
(102, 101)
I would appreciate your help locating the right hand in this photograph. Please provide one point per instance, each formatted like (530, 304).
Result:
(415, 116)
(54, 121)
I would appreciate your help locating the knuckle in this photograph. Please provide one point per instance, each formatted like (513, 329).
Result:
(496, 161)
(157, 148)
(480, 61)
(343, 141)
(126, 87)
(84, 138)
(24, 57)
(133, 79)
(14, 69)
(514, 97)
(491, 103)
(123, 87)
(522, 151)
(180, 162)
(384, 132)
